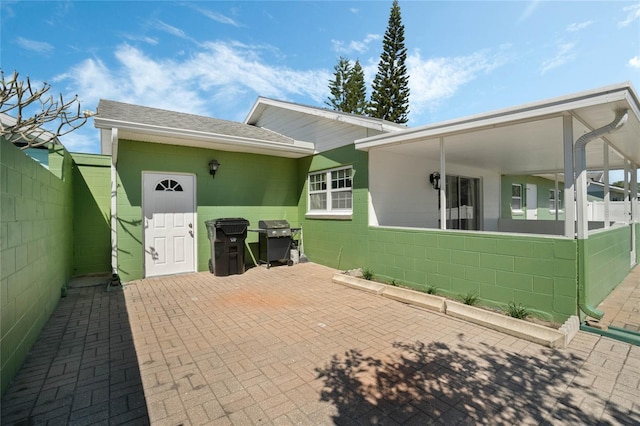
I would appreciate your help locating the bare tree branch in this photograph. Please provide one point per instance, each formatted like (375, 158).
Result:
(32, 116)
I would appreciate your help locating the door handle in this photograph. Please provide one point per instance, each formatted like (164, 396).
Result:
(191, 225)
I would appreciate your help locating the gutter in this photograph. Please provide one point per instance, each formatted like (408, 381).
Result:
(579, 156)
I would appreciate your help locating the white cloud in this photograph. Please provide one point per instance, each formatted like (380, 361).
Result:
(215, 16)
(220, 79)
(145, 39)
(633, 14)
(564, 54)
(577, 26)
(436, 79)
(170, 29)
(40, 47)
(531, 7)
(635, 62)
(358, 46)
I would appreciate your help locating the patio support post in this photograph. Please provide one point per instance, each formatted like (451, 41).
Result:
(634, 193)
(114, 204)
(556, 197)
(634, 211)
(443, 186)
(607, 195)
(569, 197)
(627, 211)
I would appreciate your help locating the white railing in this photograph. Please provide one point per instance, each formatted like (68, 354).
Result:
(619, 211)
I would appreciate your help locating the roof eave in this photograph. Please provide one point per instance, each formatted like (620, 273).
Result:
(297, 148)
(367, 122)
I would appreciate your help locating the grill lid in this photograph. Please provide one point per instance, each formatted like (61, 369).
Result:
(273, 224)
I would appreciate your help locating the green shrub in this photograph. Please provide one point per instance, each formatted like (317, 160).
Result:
(393, 282)
(517, 311)
(431, 290)
(470, 299)
(367, 273)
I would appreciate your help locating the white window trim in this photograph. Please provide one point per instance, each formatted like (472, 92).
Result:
(519, 211)
(329, 213)
(558, 201)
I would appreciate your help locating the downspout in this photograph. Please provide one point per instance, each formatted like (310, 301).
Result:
(581, 184)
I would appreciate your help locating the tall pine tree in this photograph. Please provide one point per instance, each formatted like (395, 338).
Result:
(390, 88)
(356, 91)
(339, 85)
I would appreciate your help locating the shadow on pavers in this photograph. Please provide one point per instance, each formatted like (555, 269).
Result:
(461, 383)
(83, 368)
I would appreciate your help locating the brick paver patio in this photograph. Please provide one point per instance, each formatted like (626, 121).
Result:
(287, 346)
(622, 307)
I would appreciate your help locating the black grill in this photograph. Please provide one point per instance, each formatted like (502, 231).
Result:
(275, 241)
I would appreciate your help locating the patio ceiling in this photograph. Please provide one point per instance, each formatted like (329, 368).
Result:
(526, 139)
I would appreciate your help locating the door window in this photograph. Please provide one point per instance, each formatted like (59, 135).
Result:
(463, 203)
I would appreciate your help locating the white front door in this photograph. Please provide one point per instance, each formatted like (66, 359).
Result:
(532, 202)
(168, 206)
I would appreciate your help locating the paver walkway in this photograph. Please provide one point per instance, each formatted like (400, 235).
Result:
(287, 346)
(622, 307)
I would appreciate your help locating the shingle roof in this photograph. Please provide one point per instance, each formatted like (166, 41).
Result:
(129, 113)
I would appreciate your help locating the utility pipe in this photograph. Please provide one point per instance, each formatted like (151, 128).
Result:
(580, 159)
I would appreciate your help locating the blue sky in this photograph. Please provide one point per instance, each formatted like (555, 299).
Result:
(215, 58)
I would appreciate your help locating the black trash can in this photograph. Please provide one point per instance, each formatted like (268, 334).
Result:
(227, 236)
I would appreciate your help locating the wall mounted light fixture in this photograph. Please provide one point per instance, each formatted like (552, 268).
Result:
(434, 178)
(213, 168)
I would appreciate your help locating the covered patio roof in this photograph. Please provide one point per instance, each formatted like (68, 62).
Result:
(526, 139)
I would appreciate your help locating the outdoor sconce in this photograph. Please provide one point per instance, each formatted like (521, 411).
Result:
(213, 168)
(434, 178)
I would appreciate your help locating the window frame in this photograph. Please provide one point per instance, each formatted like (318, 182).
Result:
(329, 211)
(519, 211)
(555, 201)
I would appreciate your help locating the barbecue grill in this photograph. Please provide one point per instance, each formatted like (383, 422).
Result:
(274, 242)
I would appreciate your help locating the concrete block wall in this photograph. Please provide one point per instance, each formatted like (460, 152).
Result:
(91, 213)
(250, 186)
(538, 272)
(36, 248)
(340, 244)
(608, 261)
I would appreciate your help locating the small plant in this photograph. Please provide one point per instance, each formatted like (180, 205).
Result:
(393, 282)
(367, 273)
(431, 290)
(518, 311)
(470, 299)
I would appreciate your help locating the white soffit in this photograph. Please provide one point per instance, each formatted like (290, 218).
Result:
(524, 139)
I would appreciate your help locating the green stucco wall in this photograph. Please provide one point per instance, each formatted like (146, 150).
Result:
(36, 248)
(341, 244)
(608, 262)
(543, 186)
(91, 213)
(251, 186)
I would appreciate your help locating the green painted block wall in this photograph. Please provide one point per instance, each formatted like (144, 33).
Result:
(535, 271)
(36, 248)
(341, 244)
(608, 262)
(543, 185)
(539, 272)
(250, 186)
(91, 213)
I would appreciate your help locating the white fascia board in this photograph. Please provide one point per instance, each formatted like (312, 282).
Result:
(528, 112)
(298, 147)
(368, 122)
